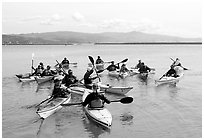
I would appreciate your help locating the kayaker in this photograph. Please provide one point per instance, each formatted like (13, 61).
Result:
(139, 64)
(88, 79)
(69, 79)
(171, 73)
(144, 68)
(176, 63)
(99, 60)
(65, 61)
(123, 68)
(113, 67)
(48, 72)
(58, 90)
(38, 71)
(95, 99)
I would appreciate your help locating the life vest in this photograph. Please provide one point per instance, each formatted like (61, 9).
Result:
(97, 103)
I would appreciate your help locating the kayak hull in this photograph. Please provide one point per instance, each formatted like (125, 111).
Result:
(169, 80)
(52, 107)
(118, 74)
(99, 115)
(28, 79)
(43, 79)
(115, 90)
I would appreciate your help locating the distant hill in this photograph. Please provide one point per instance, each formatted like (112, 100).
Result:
(68, 37)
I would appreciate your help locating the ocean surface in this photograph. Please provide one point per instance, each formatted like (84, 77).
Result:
(157, 111)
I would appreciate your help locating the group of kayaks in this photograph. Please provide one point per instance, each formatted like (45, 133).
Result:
(99, 115)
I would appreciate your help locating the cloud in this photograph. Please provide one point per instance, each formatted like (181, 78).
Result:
(78, 17)
(143, 25)
(52, 20)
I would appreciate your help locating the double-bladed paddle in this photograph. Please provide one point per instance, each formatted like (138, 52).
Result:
(125, 100)
(180, 66)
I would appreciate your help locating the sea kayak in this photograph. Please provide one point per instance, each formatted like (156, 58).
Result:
(99, 115)
(52, 106)
(115, 90)
(27, 79)
(43, 79)
(169, 80)
(118, 74)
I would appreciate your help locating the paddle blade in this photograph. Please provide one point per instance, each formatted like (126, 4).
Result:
(125, 100)
(91, 59)
(70, 104)
(185, 69)
(33, 55)
(125, 60)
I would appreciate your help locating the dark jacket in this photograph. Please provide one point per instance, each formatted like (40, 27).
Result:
(112, 67)
(95, 96)
(99, 61)
(69, 79)
(144, 69)
(59, 92)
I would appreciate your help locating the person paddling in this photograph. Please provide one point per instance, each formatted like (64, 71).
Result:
(48, 72)
(59, 91)
(176, 63)
(123, 68)
(69, 79)
(88, 79)
(139, 64)
(99, 60)
(95, 99)
(113, 67)
(144, 68)
(65, 61)
(38, 71)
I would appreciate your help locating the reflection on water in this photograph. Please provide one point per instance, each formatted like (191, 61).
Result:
(94, 129)
(126, 118)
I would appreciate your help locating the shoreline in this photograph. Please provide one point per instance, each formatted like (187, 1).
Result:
(124, 43)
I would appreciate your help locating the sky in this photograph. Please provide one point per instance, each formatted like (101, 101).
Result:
(170, 17)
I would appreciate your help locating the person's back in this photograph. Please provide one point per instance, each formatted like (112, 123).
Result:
(65, 61)
(138, 65)
(144, 68)
(99, 60)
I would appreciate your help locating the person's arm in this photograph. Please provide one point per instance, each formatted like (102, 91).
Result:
(102, 97)
(87, 100)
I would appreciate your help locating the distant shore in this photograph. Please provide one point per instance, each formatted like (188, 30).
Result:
(117, 43)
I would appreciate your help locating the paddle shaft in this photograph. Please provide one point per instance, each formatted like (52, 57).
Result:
(44, 101)
(180, 66)
(62, 68)
(124, 100)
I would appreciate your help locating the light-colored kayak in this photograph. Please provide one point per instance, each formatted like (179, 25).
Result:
(99, 115)
(43, 79)
(28, 79)
(115, 90)
(53, 106)
(169, 80)
(135, 71)
(118, 74)
(100, 66)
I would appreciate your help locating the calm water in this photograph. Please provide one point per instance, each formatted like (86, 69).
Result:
(163, 111)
